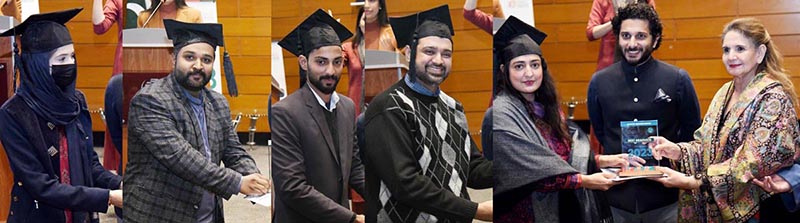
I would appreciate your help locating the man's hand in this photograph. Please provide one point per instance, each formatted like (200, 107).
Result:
(360, 219)
(485, 210)
(619, 160)
(254, 184)
(773, 184)
(115, 198)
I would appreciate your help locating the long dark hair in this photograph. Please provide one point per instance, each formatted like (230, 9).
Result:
(546, 95)
(359, 34)
(154, 3)
(383, 13)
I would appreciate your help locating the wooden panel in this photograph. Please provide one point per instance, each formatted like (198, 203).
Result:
(571, 52)
(562, 13)
(700, 28)
(475, 39)
(788, 45)
(285, 8)
(472, 101)
(689, 49)
(254, 65)
(793, 65)
(229, 9)
(253, 8)
(6, 184)
(246, 26)
(570, 32)
(93, 77)
(696, 9)
(468, 81)
(472, 60)
(53, 5)
(248, 46)
(755, 7)
(250, 85)
(704, 69)
(785, 24)
(87, 54)
(78, 31)
(566, 72)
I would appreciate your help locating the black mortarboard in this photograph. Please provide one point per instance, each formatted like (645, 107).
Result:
(318, 30)
(44, 32)
(516, 38)
(183, 34)
(432, 22)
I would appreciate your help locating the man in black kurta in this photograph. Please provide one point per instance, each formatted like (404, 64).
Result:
(641, 87)
(419, 156)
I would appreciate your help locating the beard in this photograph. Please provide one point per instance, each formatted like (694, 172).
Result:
(430, 79)
(185, 80)
(317, 82)
(645, 53)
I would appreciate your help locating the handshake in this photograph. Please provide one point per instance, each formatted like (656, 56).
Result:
(255, 184)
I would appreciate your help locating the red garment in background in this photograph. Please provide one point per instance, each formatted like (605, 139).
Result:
(113, 14)
(479, 18)
(356, 72)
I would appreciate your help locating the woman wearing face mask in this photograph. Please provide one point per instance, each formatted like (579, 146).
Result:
(46, 130)
(168, 9)
(749, 132)
(542, 167)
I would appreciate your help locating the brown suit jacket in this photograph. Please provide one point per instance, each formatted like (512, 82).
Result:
(312, 179)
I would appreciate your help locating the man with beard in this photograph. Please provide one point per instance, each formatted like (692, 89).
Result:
(419, 157)
(315, 158)
(179, 131)
(641, 87)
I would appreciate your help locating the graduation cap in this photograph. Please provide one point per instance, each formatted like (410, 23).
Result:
(41, 33)
(516, 38)
(318, 30)
(432, 22)
(183, 34)
(44, 32)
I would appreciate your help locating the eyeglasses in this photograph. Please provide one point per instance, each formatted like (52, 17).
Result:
(637, 36)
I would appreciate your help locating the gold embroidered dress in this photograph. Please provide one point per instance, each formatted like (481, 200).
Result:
(755, 138)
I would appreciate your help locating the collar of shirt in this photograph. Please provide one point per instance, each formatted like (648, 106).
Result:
(639, 68)
(334, 100)
(192, 99)
(416, 86)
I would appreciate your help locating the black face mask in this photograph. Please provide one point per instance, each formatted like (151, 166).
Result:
(64, 75)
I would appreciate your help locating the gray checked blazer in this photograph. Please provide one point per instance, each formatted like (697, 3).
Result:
(167, 172)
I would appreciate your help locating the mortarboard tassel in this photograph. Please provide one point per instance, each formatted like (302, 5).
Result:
(16, 66)
(230, 79)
